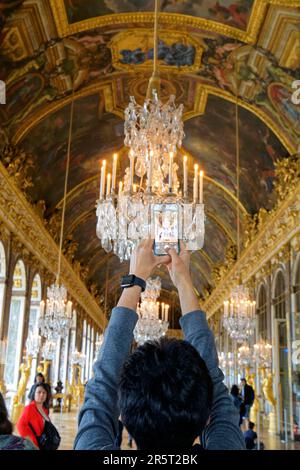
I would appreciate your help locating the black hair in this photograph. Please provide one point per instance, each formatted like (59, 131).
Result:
(244, 380)
(251, 425)
(39, 375)
(46, 387)
(235, 390)
(165, 394)
(6, 426)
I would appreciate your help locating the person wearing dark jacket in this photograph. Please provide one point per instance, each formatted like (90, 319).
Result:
(169, 391)
(248, 396)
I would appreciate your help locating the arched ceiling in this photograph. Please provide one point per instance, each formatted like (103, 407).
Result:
(206, 48)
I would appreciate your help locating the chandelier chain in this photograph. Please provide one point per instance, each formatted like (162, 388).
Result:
(65, 188)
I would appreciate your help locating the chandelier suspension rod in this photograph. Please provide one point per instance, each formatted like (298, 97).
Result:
(65, 187)
(154, 82)
(237, 147)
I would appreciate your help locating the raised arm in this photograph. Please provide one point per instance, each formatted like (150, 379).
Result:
(223, 431)
(98, 417)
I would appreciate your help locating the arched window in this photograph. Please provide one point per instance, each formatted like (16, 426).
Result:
(279, 296)
(83, 347)
(2, 281)
(15, 327)
(33, 330)
(36, 297)
(262, 312)
(92, 352)
(88, 346)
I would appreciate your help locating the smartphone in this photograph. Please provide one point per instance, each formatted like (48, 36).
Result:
(166, 228)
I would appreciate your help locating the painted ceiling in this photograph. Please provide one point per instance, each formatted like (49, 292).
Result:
(207, 50)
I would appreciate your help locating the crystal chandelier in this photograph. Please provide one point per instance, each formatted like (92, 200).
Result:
(263, 354)
(56, 313)
(244, 356)
(49, 350)
(98, 345)
(153, 316)
(153, 134)
(33, 344)
(78, 358)
(238, 317)
(239, 312)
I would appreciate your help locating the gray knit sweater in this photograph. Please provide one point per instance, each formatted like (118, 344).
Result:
(98, 417)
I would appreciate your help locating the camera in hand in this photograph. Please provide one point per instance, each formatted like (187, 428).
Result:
(166, 228)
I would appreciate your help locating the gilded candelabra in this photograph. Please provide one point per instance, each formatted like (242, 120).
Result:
(18, 404)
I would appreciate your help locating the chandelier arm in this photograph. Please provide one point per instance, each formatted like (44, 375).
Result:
(65, 188)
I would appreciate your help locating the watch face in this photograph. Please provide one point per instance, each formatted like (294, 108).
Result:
(128, 280)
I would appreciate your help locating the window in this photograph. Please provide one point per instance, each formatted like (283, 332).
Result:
(262, 313)
(2, 280)
(15, 327)
(279, 296)
(296, 351)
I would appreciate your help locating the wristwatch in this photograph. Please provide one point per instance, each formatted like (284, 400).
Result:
(132, 280)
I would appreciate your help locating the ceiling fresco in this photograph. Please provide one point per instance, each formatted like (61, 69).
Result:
(209, 52)
(225, 11)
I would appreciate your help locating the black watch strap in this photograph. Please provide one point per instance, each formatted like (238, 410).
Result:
(133, 280)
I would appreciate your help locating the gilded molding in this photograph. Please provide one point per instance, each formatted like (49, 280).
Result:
(172, 19)
(281, 227)
(259, 10)
(22, 220)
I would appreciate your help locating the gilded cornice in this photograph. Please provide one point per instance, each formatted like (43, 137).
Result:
(22, 220)
(280, 228)
(175, 20)
(171, 19)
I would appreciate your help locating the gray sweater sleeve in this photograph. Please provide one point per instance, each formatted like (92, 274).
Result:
(222, 432)
(98, 417)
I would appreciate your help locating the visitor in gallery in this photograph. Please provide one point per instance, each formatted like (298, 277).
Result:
(248, 397)
(32, 420)
(250, 436)
(39, 378)
(169, 391)
(237, 401)
(7, 440)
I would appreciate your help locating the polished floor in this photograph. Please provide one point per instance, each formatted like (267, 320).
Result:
(67, 426)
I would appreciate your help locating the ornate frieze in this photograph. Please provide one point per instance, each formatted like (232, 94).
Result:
(271, 240)
(23, 221)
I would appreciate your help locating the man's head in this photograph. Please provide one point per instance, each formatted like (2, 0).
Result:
(251, 425)
(39, 378)
(165, 395)
(243, 382)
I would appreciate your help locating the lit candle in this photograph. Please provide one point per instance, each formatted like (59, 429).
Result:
(134, 188)
(167, 312)
(162, 310)
(108, 184)
(149, 184)
(69, 309)
(131, 168)
(120, 187)
(42, 308)
(114, 172)
(102, 180)
(185, 180)
(196, 183)
(201, 187)
(171, 171)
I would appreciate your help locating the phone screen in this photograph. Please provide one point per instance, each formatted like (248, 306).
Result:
(166, 228)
